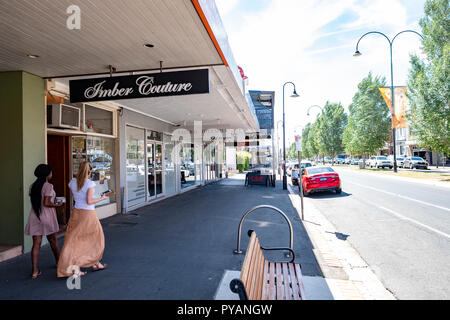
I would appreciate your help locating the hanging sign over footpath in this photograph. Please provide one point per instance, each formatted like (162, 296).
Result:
(140, 86)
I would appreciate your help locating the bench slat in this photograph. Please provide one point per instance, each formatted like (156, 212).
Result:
(252, 273)
(272, 288)
(259, 274)
(255, 271)
(247, 260)
(294, 282)
(287, 289)
(279, 281)
(300, 281)
(265, 280)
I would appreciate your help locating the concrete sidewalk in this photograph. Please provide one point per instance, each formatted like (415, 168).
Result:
(178, 248)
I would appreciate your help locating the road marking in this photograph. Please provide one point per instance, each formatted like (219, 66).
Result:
(414, 221)
(400, 196)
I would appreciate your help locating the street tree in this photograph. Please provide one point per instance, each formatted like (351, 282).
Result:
(312, 143)
(306, 151)
(369, 120)
(428, 82)
(292, 151)
(331, 125)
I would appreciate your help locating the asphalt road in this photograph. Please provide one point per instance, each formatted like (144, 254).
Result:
(400, 228)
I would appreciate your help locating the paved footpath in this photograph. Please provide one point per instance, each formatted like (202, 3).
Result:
(348, 276)
(178, 248)
(182, 248)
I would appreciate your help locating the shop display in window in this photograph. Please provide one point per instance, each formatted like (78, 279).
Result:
(100, 153)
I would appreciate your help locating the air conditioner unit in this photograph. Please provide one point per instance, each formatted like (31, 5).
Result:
(63, 116)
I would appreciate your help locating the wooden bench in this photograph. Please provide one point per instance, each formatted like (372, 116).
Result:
(261, 279)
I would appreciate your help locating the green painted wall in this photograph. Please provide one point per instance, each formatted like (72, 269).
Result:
(22, 135)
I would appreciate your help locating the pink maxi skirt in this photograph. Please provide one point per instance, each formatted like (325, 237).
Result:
(84, 242)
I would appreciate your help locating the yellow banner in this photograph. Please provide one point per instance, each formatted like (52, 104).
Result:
(399, 119)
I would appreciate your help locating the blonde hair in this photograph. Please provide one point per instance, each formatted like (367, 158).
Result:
(83, 173)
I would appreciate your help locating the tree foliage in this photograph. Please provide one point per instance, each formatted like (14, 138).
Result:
(306, 151)
(324, 136)
(292, 151)
(369, 120)
(428, 83)
(331, 124)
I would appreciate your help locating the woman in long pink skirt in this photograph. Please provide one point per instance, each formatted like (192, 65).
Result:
(84, 241)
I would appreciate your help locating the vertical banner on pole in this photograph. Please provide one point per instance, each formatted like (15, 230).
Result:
(399, 119)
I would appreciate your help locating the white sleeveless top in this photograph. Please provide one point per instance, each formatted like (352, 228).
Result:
(80, 197)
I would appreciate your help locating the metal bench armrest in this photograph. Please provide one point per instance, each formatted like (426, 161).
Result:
(237, 286)
(282, 248)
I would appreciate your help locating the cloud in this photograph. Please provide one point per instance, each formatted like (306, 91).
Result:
(309, 43)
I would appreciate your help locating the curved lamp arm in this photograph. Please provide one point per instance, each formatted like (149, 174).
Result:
(307, 112)
(295, 91)
(357, 53)
(404, 32)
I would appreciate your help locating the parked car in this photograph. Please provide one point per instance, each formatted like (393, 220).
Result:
(355, 161)
(341, 158)
(290, 167)
(185, 170)
(415, 163)
(316, 179)
(380, 162)
(294, 175)
(400, 161)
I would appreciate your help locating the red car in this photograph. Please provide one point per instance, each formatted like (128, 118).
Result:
(317, 179)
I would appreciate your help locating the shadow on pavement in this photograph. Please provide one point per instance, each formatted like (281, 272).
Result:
(178, 248)
(328, 195)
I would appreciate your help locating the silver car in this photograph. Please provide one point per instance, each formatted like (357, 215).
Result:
(400, 161)
(415, 163)
(380, 162)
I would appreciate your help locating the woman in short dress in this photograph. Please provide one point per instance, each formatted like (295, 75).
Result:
(42, 220)
(84, 241)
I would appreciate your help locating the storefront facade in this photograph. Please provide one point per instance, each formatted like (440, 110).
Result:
(132, 142)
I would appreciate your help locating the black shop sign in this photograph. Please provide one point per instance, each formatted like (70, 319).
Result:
(140, 86)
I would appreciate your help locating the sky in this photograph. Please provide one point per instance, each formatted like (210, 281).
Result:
(311, 43)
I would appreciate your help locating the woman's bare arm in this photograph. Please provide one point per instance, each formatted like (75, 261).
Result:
(48, 202)
(90, 197)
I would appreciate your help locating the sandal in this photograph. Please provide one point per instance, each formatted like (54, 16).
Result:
(34, 276)
(96, 267)
(79, 274)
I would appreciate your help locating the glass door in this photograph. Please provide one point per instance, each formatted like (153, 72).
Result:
(154, 165)
(135, 147)
(151, 169)
(169, 167)
(158, 169)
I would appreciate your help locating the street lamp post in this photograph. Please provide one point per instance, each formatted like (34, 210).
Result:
(294, 95)
(357, 54)
(279, 147)
(307, 113)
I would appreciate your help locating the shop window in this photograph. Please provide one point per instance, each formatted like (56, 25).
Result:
(98, 120)
(188, 168)
(135, 146)
(100, 153)
(169, 166)
(153, 135)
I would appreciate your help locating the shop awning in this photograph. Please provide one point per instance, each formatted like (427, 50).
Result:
(183, 34)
